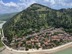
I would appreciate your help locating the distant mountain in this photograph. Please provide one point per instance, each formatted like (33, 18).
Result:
(35, 18)
(5, 17)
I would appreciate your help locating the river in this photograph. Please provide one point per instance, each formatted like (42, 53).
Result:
(1, 24)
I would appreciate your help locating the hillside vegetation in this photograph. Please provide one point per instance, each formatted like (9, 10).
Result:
(35, 18)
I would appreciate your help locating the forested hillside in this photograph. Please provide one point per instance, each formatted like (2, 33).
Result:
(35, 18)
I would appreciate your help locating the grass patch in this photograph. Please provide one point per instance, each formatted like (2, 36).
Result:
(66, 51)
(1, 45)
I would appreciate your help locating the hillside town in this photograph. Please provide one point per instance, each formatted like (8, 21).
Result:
(45, 39)
(35, 26)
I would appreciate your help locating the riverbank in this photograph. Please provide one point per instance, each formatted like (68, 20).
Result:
(1, 24)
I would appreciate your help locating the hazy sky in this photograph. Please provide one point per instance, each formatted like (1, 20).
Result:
(9, 6)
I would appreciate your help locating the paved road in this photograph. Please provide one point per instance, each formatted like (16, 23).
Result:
(6, 51)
